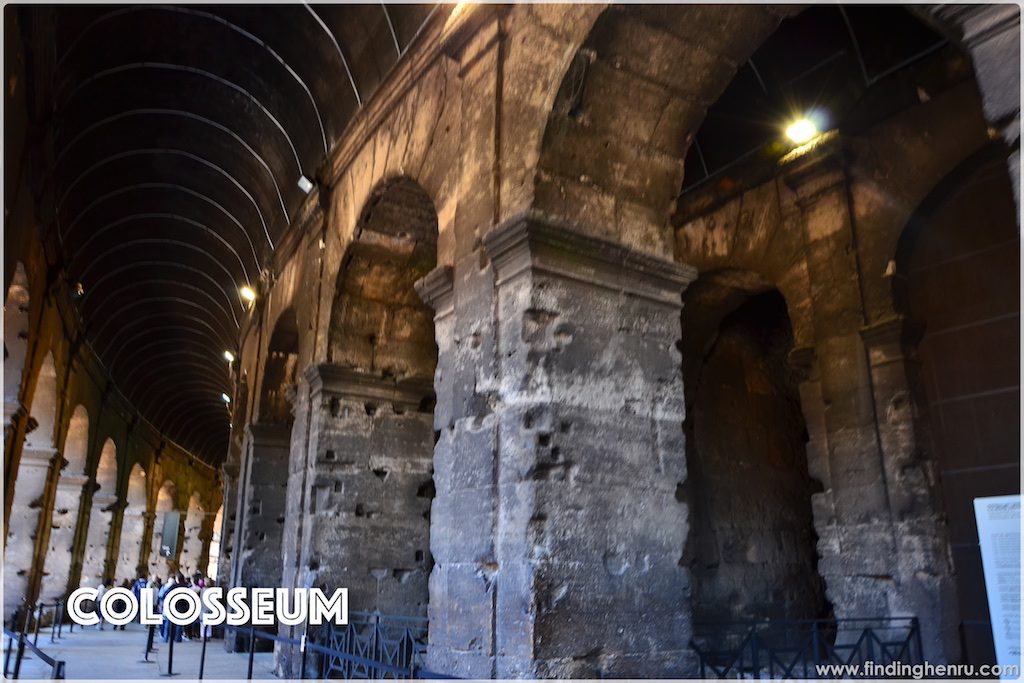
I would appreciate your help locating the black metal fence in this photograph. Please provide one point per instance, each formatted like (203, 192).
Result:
(370, 646)
(799, 648)
(24, 635)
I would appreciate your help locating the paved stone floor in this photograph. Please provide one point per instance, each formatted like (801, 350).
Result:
(117, 655)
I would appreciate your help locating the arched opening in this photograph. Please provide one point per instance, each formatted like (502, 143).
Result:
(16, 323)
(163, 556)
(213, 562)
(104, 500)
(958, 280)
(375, 450)
(133, 525)
(752, 545)
(30, 486)
(66, 507)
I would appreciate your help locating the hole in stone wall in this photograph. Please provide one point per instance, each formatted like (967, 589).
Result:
(426, 489)
(419, 555)
(335, 406)
(381, 474)
(427, 404)
(370, 408)
(330, 455)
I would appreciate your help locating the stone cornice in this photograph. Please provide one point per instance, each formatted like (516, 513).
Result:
(72, 481)
(436, 289)
(527, 243)
(34, 456)
(897, 330)
(334, 380)
(268, 434)
(815, 166)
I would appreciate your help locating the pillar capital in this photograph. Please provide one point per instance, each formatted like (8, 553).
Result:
(892, 339)
(326, 379)
(801, 362)
(72, 481)
(436, 288)
(528, 243)
(266, 433)
(36, 456)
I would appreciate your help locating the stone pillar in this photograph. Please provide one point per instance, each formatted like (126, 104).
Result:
(21, 568)
(587, 457)
(872, 565)
(990, 33)
(130, 558)
(228, 540)
(265, 478)
(97, 540)
(926, 586)
(369, 476)
(62, 537)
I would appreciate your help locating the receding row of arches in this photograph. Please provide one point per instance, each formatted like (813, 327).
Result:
(77, 519)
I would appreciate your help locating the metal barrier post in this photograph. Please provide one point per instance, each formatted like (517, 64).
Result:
(60, 622)
(252, 648)
(7, 656)
(28, 617)
(172, 631)
(754, 654)
(18, 657)
(916, 626)
(53, 625)
(57, 672)
(150, 632)
(202, 655)
(39, 620)
(302, 659)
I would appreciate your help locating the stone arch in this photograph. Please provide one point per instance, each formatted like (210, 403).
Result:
(279, 370)
(16, 327)
(956, 287)
(375, 403)
(612, 155)
(133, 524)
(378, 323)
(166, 520)
(192, 545)
(43, 412)
(752, 546)
(30, 486)
(67, 499)
(101, 516)
(265, 461)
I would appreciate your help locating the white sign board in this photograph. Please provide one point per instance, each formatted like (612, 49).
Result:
(998, 521)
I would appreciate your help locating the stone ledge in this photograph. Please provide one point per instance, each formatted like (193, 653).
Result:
(529, 243)
(435, 290)
(898, 330)
(334, 380)
(267, 434)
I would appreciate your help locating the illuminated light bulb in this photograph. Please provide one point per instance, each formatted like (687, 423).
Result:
(248, 293)
(801, 130)
(229, 357)
(225, 398)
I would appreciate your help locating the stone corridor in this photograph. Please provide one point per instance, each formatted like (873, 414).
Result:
(570, 329)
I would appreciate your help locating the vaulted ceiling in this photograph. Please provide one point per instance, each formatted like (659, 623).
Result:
(180, 137)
